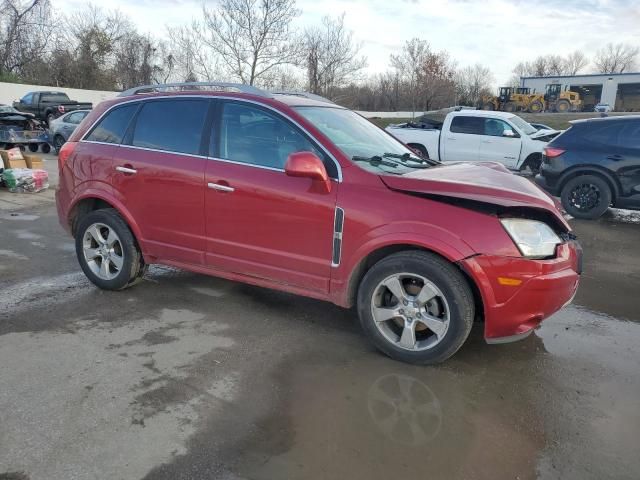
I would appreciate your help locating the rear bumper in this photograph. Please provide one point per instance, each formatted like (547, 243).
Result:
(518, 294)
(62, 203)
(547, 184)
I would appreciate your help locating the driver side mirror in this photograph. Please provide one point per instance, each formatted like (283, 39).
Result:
(308, 165)
(510, 134)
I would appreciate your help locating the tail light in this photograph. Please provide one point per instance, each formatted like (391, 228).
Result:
(64, 154)
(61, 108)
(552, 152)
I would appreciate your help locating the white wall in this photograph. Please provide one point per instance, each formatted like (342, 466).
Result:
(9, 92)
(391, 114)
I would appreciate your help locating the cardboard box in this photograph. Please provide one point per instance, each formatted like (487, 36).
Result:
(34, 161)
(13, 158)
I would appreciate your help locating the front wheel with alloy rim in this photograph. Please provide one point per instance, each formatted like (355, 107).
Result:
(416, 307)
(107, 250)
(586, 197)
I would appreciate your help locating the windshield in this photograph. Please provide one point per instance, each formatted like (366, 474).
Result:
(523, 125)
(357, 137)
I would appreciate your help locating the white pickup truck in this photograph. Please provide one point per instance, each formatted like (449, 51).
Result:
(477, 136)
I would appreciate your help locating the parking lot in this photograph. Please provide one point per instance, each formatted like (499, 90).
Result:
(191, 377)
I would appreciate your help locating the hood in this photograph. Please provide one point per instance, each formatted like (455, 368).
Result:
(486, 182)
(545, 135)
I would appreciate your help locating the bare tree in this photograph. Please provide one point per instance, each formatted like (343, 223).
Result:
(409, 63)
(472, 83)
(616, 58)
(25, 30)
(436, 85)
(331, 56)
(135, 60)
(251, 37)
(193, 58)
(574, 62)
(555, 65)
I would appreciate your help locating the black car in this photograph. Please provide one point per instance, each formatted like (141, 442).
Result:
(595, 164)
(48, 106)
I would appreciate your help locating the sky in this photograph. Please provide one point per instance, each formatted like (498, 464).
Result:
(496, 33)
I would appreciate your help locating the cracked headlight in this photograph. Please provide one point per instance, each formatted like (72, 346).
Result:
(534, 239)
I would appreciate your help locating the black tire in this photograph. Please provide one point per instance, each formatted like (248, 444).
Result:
(488, 106)
(510, 107)
(58, 141)
(422, 151)
(535, 107)
(45, 147)
(533, 162)
(563, 106)
(446, 277)
(587, 197)
(133, 267)
(33, 147)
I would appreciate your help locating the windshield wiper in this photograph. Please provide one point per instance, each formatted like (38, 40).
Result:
(405, 157)
(376, 160)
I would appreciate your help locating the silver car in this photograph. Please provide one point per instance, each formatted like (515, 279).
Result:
(603, 108)
(62, 127)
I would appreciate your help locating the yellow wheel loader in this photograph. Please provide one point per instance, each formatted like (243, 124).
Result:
(562, 101)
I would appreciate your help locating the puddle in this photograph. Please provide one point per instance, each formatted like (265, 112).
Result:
(26, 235)
(19, 216)
(209, 292)
(12, 254)
(94, 389)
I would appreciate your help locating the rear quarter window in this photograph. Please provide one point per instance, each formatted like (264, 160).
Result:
(112, 127)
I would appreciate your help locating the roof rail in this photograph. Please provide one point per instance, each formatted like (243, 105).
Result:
(187, 86)
(310, 96)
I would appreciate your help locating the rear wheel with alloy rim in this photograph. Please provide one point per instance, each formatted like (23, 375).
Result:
(586, 197)
(107, 250)
(416, 307)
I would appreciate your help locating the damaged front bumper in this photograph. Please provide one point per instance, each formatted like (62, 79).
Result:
(518, 293)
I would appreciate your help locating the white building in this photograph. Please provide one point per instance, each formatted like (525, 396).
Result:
(620, 90)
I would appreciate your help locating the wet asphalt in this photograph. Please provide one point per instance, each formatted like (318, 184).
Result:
(191, 377)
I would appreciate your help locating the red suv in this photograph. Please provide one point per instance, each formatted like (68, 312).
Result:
(293, 192)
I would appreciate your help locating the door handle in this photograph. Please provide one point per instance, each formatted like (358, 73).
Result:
(127, 170)
(615, 158)
(221, 188)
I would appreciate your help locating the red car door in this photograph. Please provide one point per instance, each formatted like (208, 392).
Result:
(159, 176)
(259, 221)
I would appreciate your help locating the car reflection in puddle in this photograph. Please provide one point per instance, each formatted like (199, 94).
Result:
(404, 409)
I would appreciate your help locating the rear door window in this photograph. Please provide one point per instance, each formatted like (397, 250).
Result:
(75, 117)
(171, 125)
(603, 133)
(468, 125)
(113, 125)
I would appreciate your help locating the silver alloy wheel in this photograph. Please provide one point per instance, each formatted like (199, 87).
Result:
(410, 311)
(103, 251)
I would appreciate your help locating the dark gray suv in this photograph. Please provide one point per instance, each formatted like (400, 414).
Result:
(595, 164)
